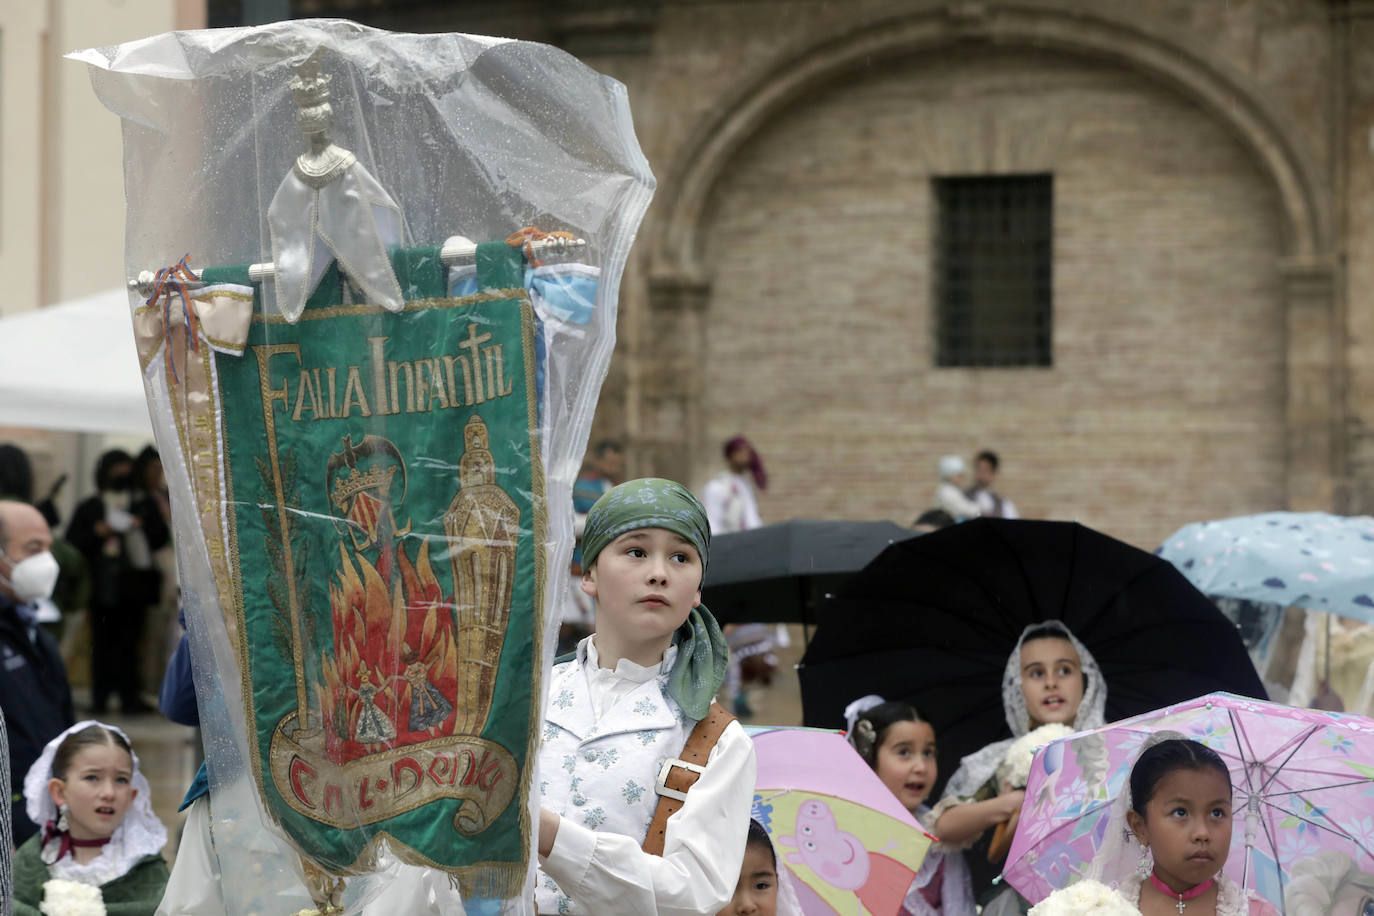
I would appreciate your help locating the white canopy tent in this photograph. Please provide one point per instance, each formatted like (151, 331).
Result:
(73, 367)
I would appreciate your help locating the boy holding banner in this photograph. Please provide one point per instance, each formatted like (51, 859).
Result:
(631, 726)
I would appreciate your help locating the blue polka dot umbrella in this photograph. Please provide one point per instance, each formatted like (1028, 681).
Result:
(1309, 559)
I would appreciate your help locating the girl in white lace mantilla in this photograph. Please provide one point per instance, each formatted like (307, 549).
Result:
(899, 745)
(1050, 677)
(1168, 839)
(100, 851)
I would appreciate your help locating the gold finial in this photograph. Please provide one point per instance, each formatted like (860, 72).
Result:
(325, 160)
(310, 89)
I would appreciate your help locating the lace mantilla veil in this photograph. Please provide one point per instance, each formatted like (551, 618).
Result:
(139, 834)
(977, 768)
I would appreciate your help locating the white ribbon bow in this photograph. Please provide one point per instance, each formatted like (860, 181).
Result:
(351, 219)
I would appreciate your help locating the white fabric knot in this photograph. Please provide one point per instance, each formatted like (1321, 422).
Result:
(352, 220)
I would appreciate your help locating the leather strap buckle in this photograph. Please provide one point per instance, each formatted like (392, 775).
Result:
(661, 784)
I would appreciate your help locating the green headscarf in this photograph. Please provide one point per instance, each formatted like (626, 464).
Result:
(653, 502)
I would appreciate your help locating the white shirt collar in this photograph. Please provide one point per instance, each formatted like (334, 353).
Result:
(607, 687)
(625, 669)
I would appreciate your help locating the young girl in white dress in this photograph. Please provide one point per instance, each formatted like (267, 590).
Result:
(899, 745)
(1050, 677)
(1168, 839)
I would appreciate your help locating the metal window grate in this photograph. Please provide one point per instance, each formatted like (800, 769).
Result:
(993, 271)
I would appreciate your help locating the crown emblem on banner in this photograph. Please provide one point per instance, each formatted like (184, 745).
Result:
(360, 481)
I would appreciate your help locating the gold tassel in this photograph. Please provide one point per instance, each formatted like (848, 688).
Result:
(325, 889)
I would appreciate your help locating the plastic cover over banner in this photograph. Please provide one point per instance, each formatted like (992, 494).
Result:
(371, 404)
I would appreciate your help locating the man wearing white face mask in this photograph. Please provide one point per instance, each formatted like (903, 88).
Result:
(34, 693)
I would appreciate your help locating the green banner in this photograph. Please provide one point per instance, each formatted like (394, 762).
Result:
(384, 499)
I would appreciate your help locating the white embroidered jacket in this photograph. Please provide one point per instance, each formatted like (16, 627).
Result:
(598, 773)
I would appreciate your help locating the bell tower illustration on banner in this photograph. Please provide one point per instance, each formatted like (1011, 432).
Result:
(483, 524)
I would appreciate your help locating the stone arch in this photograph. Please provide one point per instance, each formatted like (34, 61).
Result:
(678, 284)
(689, 183)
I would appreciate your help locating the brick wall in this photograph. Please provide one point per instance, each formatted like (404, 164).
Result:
(1165, 403)
(1357, 240)
(1177, 393)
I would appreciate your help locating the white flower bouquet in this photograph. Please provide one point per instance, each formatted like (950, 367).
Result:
(1015, 768)
(1014, 772)
(71, 898)
(1086, 898)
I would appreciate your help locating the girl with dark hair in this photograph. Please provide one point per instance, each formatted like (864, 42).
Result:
(763, 888)
(1168, 838)
(101, 844)
(899, 745)
(1180, 815)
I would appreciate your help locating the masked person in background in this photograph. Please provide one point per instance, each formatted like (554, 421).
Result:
(111, 539)
(73, 587)
(34, 693)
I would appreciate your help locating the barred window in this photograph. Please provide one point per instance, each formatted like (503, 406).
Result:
(993, 300)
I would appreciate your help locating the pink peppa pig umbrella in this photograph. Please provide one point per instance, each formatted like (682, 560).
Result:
(1302, 799)
(849, 844)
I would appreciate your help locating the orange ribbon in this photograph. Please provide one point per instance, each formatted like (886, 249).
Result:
(171, 279)
(530, 234)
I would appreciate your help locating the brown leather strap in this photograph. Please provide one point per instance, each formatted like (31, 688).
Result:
(697, 750)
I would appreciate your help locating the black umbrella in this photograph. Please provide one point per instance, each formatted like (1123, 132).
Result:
(782, 573)
(933, 619)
